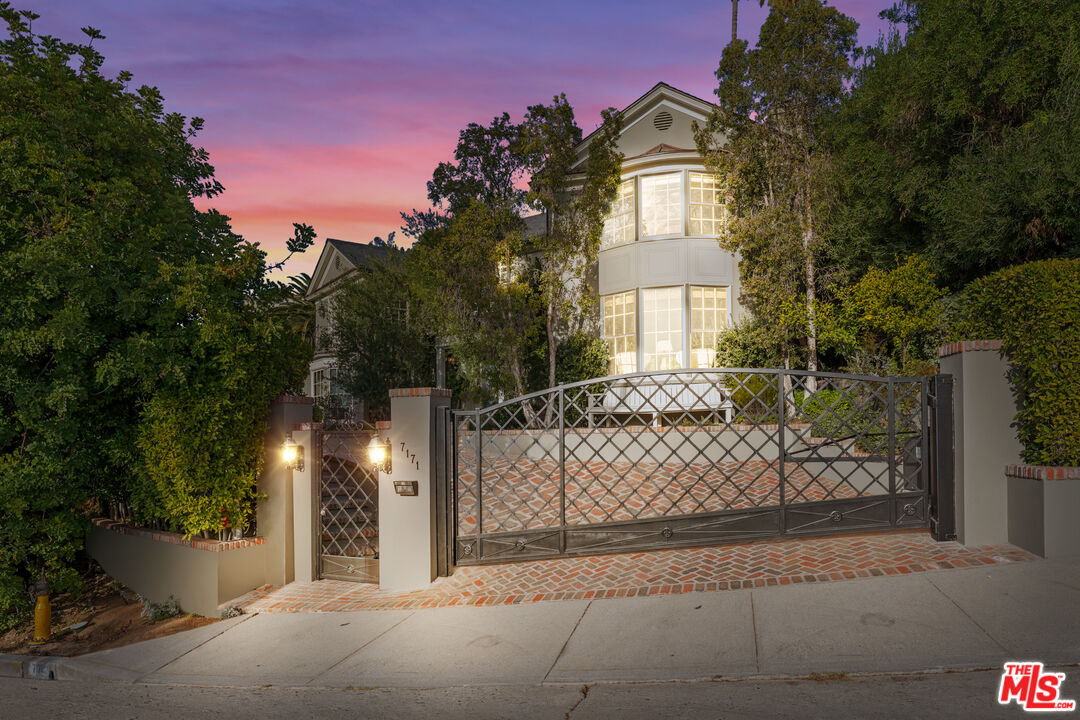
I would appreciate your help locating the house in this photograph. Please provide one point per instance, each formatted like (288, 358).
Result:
(667, 289)
(338, 261)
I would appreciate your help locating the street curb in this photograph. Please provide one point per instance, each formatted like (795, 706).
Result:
(32, 667)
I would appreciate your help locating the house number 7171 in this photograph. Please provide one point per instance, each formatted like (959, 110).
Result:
(410, 455)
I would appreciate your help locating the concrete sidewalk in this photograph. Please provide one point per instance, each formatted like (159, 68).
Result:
(958, 618)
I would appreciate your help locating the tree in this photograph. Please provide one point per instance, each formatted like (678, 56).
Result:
(377, 335)
(123, 310)
(891, 321)
(576, 201)
(488, 169)
(475, 293)
(958, 140)
(765, 138)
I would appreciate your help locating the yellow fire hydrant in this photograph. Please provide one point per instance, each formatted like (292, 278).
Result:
(42, 612)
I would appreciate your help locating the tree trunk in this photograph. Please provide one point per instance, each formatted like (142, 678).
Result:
(734, 20)
(811, 294)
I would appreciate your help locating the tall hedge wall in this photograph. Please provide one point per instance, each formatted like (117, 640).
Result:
(1035, 310)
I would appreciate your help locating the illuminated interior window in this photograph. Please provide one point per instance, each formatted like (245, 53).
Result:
(661, 205)
(661, 328)
(707, 211)
(619, 226)
(708, 318)
(620, 332)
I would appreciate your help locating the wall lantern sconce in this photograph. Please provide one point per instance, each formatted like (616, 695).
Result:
(378, 452)
(292, 454)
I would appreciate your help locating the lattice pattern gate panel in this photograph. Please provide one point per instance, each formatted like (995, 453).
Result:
(349, 509)
(665, 459)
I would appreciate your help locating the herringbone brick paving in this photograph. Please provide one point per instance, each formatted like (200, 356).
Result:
(523, 493)
(660, 572)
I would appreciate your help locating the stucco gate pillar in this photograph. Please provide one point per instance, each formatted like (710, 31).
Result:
(275, 513)
(407, 538)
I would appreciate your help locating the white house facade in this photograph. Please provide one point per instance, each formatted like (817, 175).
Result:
(666, 287)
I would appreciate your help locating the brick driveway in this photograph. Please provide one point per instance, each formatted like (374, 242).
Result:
(725, 567)
(523, 494)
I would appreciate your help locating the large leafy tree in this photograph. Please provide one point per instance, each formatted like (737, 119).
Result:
(959, 139)
(766, 139)
(485, 286)
(576, 200)
(134, 347)
(377, 333)
(475, 294)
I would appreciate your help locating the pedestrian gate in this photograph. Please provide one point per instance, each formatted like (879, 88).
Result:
(666, 459)
(348, 508)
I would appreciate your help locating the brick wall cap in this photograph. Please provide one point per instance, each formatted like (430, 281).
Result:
(1043, 472)
(420, 392)
(295, 399)
(967, 346)
(176, 538)
(383, 425)
(308, 426)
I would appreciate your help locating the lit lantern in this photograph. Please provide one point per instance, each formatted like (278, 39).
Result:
(292, 454)
(378, 452)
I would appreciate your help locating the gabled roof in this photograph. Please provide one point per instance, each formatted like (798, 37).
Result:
(659, 92)
(536, 225)
(358, 253)
(335, 253)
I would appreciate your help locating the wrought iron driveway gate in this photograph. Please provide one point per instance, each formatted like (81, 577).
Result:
(348, 509)
(691, 457)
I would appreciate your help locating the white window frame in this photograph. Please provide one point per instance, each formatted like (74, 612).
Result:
(681, 227)
(720, 222)
(630, 212)
(615, 367)
(722, 327)
(678, 350)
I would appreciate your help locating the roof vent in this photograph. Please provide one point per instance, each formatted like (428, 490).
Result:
(663, 120)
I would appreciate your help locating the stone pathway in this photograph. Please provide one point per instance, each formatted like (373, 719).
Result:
(660, 572)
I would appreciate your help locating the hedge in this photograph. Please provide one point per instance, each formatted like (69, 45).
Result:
(1034, 309)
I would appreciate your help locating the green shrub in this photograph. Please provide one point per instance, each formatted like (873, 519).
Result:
(832, 414)
(1034, 309)
(754, 396)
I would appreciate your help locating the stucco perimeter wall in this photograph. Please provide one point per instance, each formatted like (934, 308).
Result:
(199, 574)
(985, 441)
(1043, 506)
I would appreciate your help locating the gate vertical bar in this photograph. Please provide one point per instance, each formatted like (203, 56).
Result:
(943, 508)
(479, 483)
(891, 430)
(781, 407)
(562, 470)
(442, 497)
(924, 442)
(320, 511)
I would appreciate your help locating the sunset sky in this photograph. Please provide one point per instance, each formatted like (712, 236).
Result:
(335, 113)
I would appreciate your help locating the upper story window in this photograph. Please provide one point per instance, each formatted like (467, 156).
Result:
(619, 227)
(661, 205)
(706, 205)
